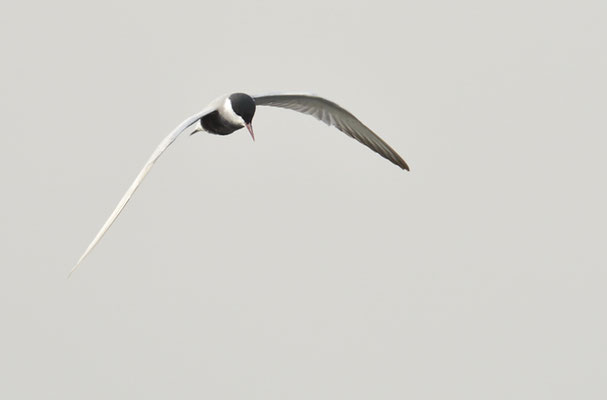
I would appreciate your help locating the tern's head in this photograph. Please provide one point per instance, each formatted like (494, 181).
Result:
(244, 106)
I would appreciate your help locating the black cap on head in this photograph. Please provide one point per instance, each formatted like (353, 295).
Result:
(243, 105)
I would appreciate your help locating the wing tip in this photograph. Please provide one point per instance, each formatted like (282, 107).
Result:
(398, 161)
(76, 266)
(69, 275)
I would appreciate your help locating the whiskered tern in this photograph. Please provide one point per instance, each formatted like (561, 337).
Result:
(232, 112)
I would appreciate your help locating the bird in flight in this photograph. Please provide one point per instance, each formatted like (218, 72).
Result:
(232, 112)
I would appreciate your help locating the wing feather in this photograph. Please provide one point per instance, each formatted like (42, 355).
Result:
(166, 142)
(332, 115)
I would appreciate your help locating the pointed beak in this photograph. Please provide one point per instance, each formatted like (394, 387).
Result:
(250, 128)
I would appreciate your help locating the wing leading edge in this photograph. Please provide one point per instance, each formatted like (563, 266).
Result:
(166, 142)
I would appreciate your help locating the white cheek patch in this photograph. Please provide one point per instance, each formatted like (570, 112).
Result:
(228, 113)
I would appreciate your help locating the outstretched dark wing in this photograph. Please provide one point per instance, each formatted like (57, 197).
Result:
(333, 115)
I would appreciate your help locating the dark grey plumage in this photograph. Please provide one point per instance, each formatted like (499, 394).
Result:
(215, 123)
(333, 115)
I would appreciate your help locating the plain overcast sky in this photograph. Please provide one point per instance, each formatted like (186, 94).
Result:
(305, 266)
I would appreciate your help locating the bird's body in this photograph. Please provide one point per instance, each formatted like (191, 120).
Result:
(217, 124)
(231, 112)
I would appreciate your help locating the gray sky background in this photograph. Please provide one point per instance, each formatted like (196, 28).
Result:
(304, 266)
